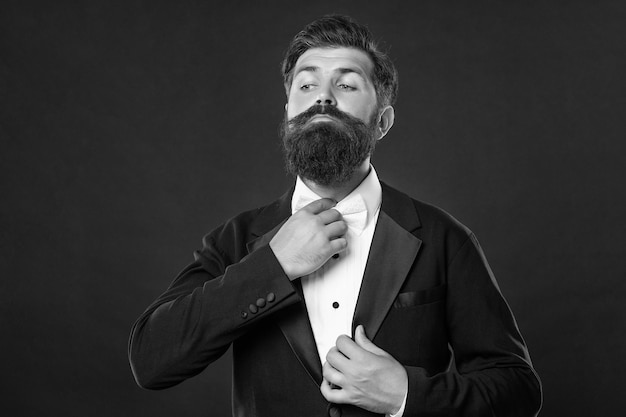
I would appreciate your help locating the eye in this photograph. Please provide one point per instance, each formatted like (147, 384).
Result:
(346, 87)
(305, 87)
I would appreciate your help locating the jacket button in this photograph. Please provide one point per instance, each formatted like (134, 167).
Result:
(260, 302)
(253, 308)
(271, 297)
(334, 410)
(244, 314)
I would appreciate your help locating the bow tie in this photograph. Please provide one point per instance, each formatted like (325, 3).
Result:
(353, 210)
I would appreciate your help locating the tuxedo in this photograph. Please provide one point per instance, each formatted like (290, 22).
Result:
(428, 298)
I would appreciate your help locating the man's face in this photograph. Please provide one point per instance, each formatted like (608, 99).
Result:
(337, 76)
(331, 116)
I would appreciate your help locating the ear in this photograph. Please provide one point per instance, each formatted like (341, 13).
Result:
(287, 89)
(385, 121)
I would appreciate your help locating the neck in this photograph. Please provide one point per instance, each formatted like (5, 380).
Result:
(339, 191)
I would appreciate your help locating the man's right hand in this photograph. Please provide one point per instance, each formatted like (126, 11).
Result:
(309, 238)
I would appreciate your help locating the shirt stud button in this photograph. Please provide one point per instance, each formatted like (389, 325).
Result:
(335, 256)
(244, 314)
(271, 297)
(253, 309)
(335, 305)
(334, 410)
(260, 302)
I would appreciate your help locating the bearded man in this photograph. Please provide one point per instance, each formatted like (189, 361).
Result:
(345, 296)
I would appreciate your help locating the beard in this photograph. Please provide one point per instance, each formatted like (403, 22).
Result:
(327, 152)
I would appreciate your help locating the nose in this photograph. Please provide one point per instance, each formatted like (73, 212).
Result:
(326, 97)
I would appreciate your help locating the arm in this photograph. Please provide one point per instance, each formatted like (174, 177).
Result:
(207, 306)
(494, 373)
(194, 322)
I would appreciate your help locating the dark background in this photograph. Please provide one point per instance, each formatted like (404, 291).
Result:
(130, 129)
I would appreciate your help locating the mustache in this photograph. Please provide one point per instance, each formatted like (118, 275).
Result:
(328, 110)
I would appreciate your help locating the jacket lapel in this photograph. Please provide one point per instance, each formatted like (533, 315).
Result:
(393, 242)
(294, 321)
(392, 254)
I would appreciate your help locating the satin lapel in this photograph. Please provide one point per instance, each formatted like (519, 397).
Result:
(265, 238)
(294, 321)
(296, 327)
(392, 254)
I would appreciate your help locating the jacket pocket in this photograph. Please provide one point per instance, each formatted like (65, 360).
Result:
(415, 298)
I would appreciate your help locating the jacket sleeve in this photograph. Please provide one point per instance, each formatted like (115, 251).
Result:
(204, 310)
(494, 374)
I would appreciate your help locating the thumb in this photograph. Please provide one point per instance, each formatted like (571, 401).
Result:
(320, 205)
(361, 339)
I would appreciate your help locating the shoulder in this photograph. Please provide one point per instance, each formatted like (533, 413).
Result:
(434, 226)
(232, 236)
(428, 216)
(435, 217)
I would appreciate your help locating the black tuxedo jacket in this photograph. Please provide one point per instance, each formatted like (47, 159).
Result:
(428, 298)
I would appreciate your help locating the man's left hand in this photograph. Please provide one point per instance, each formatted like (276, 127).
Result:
(360, 373)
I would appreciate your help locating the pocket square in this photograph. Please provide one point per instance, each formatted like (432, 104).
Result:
(414, 298)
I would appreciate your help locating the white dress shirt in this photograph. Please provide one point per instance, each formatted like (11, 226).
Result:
(331, 292)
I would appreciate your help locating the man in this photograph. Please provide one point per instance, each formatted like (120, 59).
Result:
(345, 296)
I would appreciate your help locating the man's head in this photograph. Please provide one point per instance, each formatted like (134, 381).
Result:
(336, 31)
(340, 89)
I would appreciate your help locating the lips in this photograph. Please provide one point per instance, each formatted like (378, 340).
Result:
(322, 118)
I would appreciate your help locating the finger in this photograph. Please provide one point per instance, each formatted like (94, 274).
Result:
(333, 376)
(337, 360)
(338, 245)
(330, 216)
(333, 395)
(349, 348)
(336, 229)
(320, 205)
(361, 340)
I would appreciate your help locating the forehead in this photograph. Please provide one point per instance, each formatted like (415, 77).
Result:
(335, 59)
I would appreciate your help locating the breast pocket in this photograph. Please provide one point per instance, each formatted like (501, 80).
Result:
(416, 298)
(414, 331)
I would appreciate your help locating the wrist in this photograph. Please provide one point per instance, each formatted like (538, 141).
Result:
(286, 266)
(398, 410)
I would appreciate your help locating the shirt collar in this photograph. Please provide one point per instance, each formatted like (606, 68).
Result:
(369, 189)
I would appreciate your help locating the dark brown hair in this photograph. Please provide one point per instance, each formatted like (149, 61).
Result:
(334, 31)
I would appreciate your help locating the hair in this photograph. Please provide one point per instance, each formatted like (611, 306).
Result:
(334, 31)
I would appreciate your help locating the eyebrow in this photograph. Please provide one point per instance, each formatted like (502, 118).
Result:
(313, 68)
